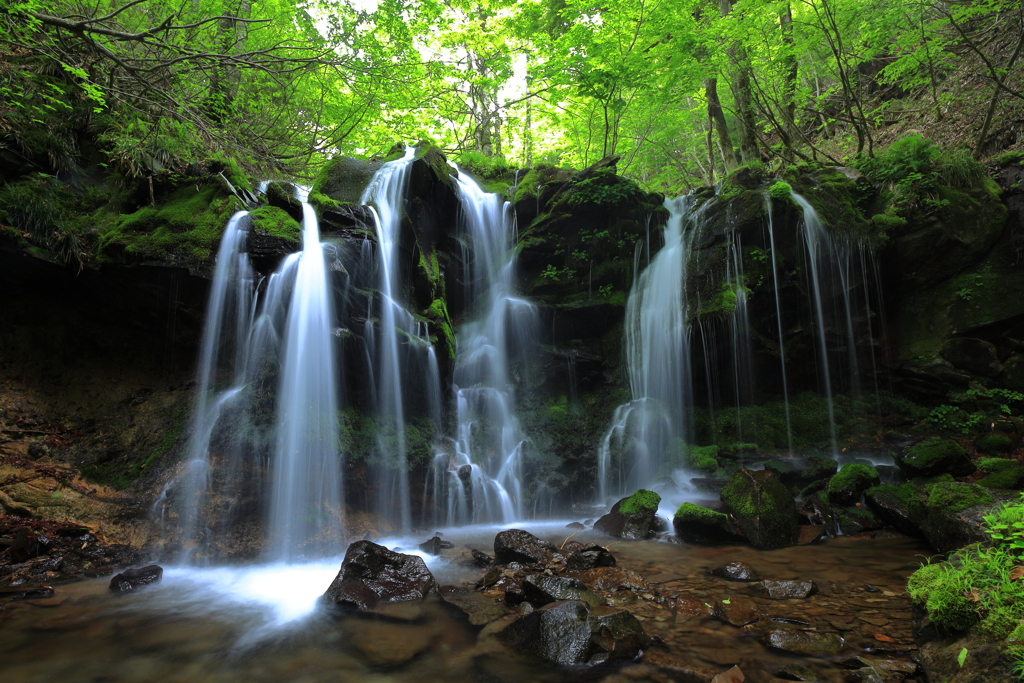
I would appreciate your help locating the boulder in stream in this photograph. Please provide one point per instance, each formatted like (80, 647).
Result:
(764, 509)
(573, 632)
(136, 577)
(778, 590)
(700, 526)
(736, 571)
(633, 517)
(848, 484)
(541, 590)
(372, 576)
(517, 545)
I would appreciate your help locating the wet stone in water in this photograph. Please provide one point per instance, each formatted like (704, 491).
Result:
(371, 576)
(805, 642)
(516, 545)
(736, 571)
(542, 590)
(136, 577)
(785, 589)
(435, 545)
(573, 632)
(610, 579)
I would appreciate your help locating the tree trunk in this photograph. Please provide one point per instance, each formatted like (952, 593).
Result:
(717, 118)
(740, 83)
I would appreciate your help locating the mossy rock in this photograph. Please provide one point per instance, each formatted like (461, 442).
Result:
(854, 520)
(344, 178)
(1008, 478)
(847, 485)
(272, 221)
(632, 517)
(701, 526)
(991, 444)
(797, 474)
(186, 228)
(990, 465)
(947, 241)
(282, 196)
(935, 456)
(764, 509)
(946, 606)
(899, 505)
(952, 514)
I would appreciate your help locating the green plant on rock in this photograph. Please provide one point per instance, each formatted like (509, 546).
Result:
(1005, 526)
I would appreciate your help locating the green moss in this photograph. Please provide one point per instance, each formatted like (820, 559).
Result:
(780, 189)
(992, 465)
(187, 226)
(1010, 158)
(852, 480)
(640, 502)
(939, 589)
(321, 202)
(274, 221)
(724, 302)
(930, 454)
(603, 188)
(688, 512)
(1009, 478)
(993, 443)
(681, 454)
(952, 497)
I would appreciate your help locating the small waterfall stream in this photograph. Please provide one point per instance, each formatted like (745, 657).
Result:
(482, 480)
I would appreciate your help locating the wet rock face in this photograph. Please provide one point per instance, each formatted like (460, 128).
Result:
(136, 577)
(435, 545)
(736, 571)
(633, 517)
(572, 632)
(371, 576)
(516, 545)
(764, 509)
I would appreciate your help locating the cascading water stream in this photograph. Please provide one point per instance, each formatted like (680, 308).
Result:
(658, 360)
(230, 298)
(306, 507)
(482, 479)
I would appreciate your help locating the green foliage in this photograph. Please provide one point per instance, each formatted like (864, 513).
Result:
(46, 213)
(603, 188)
(681, 454)
(640, 502)
(1005, 526)
(483, 166)
(978, 586)
(913, 168)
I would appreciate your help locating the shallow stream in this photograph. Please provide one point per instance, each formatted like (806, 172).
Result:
(259, 623)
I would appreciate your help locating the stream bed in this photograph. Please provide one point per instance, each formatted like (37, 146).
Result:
(260, 623)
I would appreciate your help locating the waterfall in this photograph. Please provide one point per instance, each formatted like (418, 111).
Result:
(657, 339)
(483, 478)
(398, 330)
(306, 507)
(228, 318)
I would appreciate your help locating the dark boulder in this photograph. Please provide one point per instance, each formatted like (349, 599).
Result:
(736, 571)
(589, 557)
(26, 545)
(819, 511)
(953, 514)
(372, 576)
(633, 517)
(516, 545)
(136, 577)
(698, 525)
(541, 590)
(481, 559)
(976, 355)
(572, 632)
(933, 457)
(764, 509)
(854, 520)
(435, 545)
